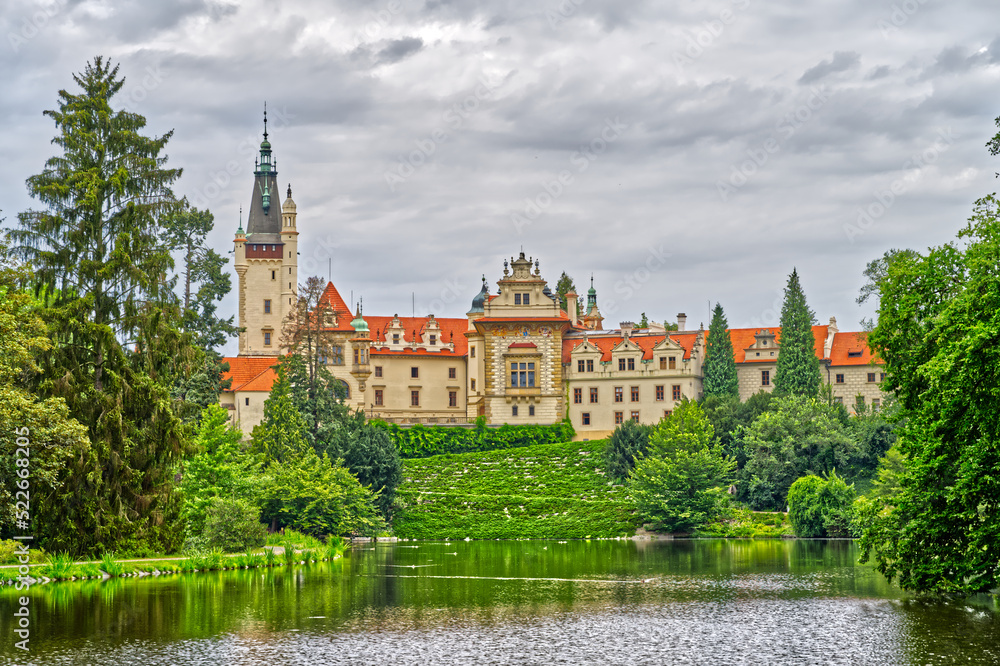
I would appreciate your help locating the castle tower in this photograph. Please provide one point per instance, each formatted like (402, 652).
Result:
(266, 260)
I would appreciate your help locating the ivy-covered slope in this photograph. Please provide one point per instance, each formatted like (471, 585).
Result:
(543, 491)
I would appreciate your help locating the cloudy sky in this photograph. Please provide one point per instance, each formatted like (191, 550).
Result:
(682, 152)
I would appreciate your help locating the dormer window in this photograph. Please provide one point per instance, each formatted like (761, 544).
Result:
(522, 299)
(395, 338)
(433, 340)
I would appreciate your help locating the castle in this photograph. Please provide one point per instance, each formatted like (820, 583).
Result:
(517, 357)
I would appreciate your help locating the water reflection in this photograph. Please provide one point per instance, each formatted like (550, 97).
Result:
(684, 601)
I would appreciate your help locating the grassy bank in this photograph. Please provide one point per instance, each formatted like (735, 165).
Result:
(542, 491)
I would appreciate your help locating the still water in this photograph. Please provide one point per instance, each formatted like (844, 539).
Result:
(527, 602)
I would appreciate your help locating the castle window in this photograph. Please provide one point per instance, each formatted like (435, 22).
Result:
(526, 300)
(585, 418)
(434, 340)
(246, 401)
(453, 398)
(635, 416)
(619, 394)
(522, 375)
(593, 394)
(414, 372)
(838, 400)
(274, 274)
(395, 338)
(765, 377)
(473, 384)
(336, 355)
(881, 377)
(659, 392)
(341, 390)
(356, 357)
(871, 377)
(673, 362)
(513, 410)
(452, 373)
(267, 306)
(267, 338)
(840, 379)
(414, 398)
(590, 365)
(472, 352)
(378, 397)
(876, 403)
(580, 365)
(631, 364)
(531, 410)
(634, 391)
(675, 391)
(621, 364)
(517, 299)
(619, 417)
(378, 370)
(289, 268)
(663, 363)
(577, 396)
(667, 413)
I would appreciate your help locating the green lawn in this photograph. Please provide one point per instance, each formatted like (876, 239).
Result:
(543, 491)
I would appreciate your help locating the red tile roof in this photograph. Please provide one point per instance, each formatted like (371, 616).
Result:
(606, 343)
(851, 349)
(250, 373)
(336, 302)
(745, 337)
(452, 330)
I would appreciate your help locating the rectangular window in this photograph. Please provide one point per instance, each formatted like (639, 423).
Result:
(395, 338)
(434, 340)
(531, 410)
(659, 392)
(673, 362)
(378, 370)
(621, 364)
(634, 391)
(522, 375)
(667, 413)
(619, 394)
(473, 384)
(472, 352)
(881, 377)
(273, 275)
(526, 299)
(247, 401)
(593, 394)
(580, 365)
(414, 372)
(577, 396)
(590, 365)
(414, 398)
(871, 377)
(585, 418)
(378, 397)
(517, 299)
(453, 398)
(619, 417)
(675, 391)
(839, 401)
(663, 363)
(267, 306)
(631, 364)
(267, 338)
(876, 403)
(452, 373)
(356, 356)
(765, 377)
(840, 379)
(635, 416)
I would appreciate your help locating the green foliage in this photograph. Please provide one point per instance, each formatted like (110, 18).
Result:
(220, 468)
(938, 333)
(797, 369)
(730, 418)
(111, 566)
(629, 441)
(319, 498)
(280, 436)
(719, 369)
(798, 437)
(644, 321)
(874, 430)
(819, 507)
(740, 523)
(563, 287)
(335, 547)
(233, 525)
(420, 441)
(542, 491)
(373, 458)
(679, 485)
(59, 566)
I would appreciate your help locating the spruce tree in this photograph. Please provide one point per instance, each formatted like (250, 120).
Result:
(563, 287)
(720, 364)
(281, 435)
(797, 371)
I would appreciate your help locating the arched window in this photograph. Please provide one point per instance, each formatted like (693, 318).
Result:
(342, 390)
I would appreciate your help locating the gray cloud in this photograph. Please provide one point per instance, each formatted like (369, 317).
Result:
(840, 62)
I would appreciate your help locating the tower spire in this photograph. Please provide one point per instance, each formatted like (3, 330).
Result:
(265, 120)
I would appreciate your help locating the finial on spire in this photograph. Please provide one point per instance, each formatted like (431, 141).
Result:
(289, 190)
(265, 121)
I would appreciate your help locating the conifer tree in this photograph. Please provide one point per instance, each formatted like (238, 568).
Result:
(281, 434)
(720, 364)
(797, 371)
(563, 287)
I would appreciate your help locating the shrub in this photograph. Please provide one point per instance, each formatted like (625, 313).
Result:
(420, 441)
(233, 525)
(111, 566)
(58, 567)
(373, 458)
(819, 507)
(335, 547)
(629, 440)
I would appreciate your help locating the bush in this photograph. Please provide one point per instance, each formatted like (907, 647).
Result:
(373, 458)
(820, 507)
(628, 441)
(233, 525)
(421, 441)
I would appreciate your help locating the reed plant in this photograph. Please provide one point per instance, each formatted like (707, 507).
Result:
(289, 554)
(270, 559)
(335, 547)
(59, 566)
(111, 566)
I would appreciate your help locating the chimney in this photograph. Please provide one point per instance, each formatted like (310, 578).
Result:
(681, 321)
(831, 331)
(571, 306)
(627, 327)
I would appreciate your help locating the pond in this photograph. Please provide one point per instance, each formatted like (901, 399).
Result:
(513, 602)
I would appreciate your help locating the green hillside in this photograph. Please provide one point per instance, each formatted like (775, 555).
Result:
(543, 491)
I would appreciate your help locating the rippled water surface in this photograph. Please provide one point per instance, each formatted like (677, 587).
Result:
(530, 602)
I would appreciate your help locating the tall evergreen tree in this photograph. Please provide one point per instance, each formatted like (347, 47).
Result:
(797, 371)
(720, 364)
(99, 262)
(281, 434)
(563, 287)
